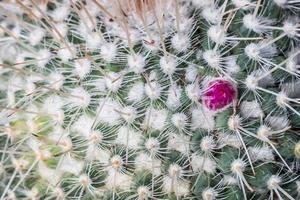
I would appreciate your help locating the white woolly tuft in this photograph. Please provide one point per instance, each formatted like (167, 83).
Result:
(207, 144)
(66, 54)
(193, 92)
(229, 140)
(145, 162)
(256, 24)
(203, 4)
(252, 51)
(279, 122)
(155, 119)
(35, 36)
(53, 106)
(61, 30)
(129, 114)
(212, 58)
(251, 109)
(292, 89)
(136, 63)
(200, 163)
(136, 92)
(179, 120)
(180, 42)
(168, 65)
(51, 175)
(9, 52)
(232, 67)
(43, 57)
(108, 52)
(243, 4)
(93, 40)
(128, 137)
(217, 34)
(251, 82)
(291, 27)
(117, 180)
(211, 14)
(83, 125)
(94, 153)
(14, 84)
(202, 118)
(70, 165)
(260, 50)
(153, 90)
(178, 186)
(61, 13)
(263, 153)
(113, 81)
(175, 171)
(56, 80)
(152, 145)
(79, 97)
(229, 180)
(109, 112)
(82, 67)
(179, 143)
(191, 73)
(99, 84)
(173, 100)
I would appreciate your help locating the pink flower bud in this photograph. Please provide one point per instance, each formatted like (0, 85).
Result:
(219, 94)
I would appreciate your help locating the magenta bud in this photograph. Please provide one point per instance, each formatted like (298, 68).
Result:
(219, 94)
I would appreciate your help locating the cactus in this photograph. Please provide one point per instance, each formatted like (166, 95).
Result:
(149, 99)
